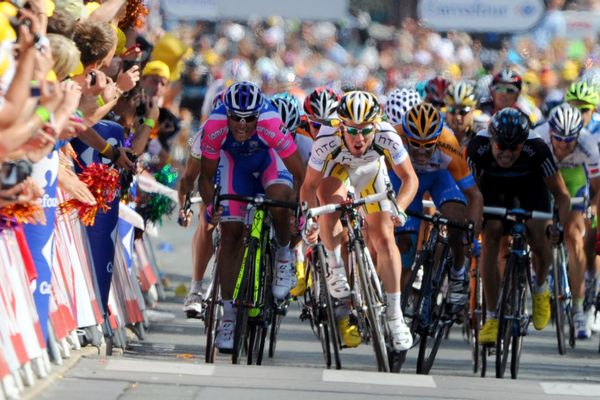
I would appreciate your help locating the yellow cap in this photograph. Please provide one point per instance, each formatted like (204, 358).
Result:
(171, 51)
(6, 30)
(49, 7)
(157, 67)
(8, 9)
(570, 70)
(121, 40)
(91, 7)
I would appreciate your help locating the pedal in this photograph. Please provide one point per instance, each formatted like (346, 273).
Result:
(193, 314)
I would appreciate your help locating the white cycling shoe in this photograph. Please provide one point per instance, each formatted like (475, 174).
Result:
(337, 283)
(401, 338)
(224, 339)
(284, 279)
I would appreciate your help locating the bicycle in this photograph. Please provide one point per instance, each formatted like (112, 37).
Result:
(252, 293)
(476, 310)
(366, 292)
(513, 317)
(424, 303)
(319, 306)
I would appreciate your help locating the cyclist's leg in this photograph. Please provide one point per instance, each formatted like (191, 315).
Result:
(381, 233)
(333, 190)
(278, 183)
(493, 231)
(452, 204)
(202, 250)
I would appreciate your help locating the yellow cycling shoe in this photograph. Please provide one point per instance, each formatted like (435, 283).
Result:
(489, 332)
(541, 310)
(349, 331)
(300, 287)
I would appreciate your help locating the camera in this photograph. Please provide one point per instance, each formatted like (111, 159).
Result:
(92, 78)
(14, 172)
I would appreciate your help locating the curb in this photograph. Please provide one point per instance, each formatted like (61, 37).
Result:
(58, 372)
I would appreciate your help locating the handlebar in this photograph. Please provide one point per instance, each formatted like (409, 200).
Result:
(256, 200)
(516, 214)
(331, 208)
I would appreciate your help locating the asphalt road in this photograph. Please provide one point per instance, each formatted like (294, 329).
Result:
(169, 363)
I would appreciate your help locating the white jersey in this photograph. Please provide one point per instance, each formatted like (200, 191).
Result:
(304, 144)
(585, 154)
(194, 143)
(330, 148)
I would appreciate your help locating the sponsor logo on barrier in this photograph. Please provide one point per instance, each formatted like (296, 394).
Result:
(480, 15)
(49, 202)
(45, 287)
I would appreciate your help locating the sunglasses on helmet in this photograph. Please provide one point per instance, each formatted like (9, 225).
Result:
(458, 110)
(247, 119)
(503, 88)
(415, 144)
(352, 131)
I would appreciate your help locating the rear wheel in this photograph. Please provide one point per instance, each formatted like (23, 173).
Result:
(412, 300)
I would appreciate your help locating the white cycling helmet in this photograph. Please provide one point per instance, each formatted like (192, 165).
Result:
(399, 101)
(565, 120)
(289, 110)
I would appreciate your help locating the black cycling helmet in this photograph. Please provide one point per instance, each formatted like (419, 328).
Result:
(509, 127)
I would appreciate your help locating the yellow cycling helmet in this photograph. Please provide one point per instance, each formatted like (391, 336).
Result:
(461, 93)
(423, 122)
(358, 107)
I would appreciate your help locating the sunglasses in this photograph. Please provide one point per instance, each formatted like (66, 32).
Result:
(362, 131)
(315, 124)
(503, 147)
(567, 139)
(248, 119)
(421, 145)
(461, 111)
(510, 89)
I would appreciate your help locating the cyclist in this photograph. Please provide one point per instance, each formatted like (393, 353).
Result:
(512, 165)
(461, 111)
(320, 108)
(435, 91)
(586, 98)
(505, 90)
(398, 102)
(576, 154)
(354, 155)
(244, 133)
(289, 111)
(443, 172)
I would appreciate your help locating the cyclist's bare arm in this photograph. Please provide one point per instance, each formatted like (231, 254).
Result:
(308, 192)
(474, 206)
(208, 168)
(410, 183)
(186, 184)
(556, 186)
(595, 186)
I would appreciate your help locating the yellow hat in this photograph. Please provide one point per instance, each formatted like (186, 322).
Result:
(121, 40)
(157, 67)
(454, 71)
(172, 52)
(49, 7)
(570, 70)
(91, 7)
(6, 30)
(8, 9)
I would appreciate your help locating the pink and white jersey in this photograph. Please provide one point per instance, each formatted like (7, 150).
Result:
(270, 134)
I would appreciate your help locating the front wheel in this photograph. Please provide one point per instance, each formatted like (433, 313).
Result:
(375, 306)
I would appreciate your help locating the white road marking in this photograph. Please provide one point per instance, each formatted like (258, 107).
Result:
(571, 389)
(160, 367)
(377, 378)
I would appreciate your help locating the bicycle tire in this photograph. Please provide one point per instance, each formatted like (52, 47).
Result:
(327, 303)
(438, 328)
(517, 340)
(558, 311)
(268, 303)
(414, 297)
(316, 315)
(475, 316)
(212, 320)
(374, 320)
(244, 298)
(503, 340)
(275, 323)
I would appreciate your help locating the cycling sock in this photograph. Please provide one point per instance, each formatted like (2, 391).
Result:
(196, 287)
(283, 252)
(490, 315)
(394, 309)
(457, 274)
(578, 305)
(334, 257)
(228, 310)
(299, 253)
(541, 289)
